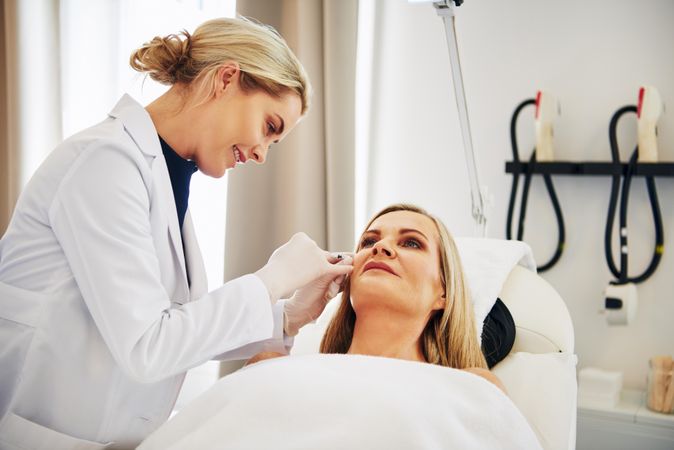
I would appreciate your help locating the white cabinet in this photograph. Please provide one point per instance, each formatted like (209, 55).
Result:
(627, 426)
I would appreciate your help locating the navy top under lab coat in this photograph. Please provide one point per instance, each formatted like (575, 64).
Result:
(180, 172)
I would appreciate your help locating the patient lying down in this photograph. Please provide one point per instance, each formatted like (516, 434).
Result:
(392, 370)
(408, 297)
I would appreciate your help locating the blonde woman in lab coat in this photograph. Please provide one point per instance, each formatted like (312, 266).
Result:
(103, 298)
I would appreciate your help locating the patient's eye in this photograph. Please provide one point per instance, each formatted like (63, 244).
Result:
(271, 128)
(367, 242)
(411, 242)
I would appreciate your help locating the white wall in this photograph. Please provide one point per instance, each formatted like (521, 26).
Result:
(593, 56)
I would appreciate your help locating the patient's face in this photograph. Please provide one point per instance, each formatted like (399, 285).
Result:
(397, 266)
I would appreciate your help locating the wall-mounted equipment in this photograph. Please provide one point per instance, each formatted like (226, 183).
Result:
(547, 109)
(620, 299)
(648, 111)
(621, 295)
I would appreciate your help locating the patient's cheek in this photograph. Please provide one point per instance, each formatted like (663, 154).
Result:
(359, 259)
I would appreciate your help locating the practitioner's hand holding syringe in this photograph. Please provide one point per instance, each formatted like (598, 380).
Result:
(311, 275)
(309, 301)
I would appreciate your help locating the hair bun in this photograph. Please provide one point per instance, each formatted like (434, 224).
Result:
(265, 61)
(164, 58)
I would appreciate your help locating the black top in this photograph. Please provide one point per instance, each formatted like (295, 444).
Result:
(180, 171)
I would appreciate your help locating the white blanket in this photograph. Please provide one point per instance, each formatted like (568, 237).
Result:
(347, 402)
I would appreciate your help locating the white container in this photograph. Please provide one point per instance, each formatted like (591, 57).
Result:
(660, 391)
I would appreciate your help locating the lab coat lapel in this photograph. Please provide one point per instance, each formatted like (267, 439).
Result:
(195, 262)
(138, 124)
(163, 179)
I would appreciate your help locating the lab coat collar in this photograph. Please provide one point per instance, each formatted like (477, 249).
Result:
(138, 124)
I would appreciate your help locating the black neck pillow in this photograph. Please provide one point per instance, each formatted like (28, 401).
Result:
(498, 333)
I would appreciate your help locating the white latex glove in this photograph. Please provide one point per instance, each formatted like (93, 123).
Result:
(297, 263)
(309, 301)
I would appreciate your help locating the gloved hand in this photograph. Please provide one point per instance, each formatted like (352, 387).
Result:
(297, 263)
(309, 301)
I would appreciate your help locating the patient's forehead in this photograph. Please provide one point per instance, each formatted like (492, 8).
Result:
(395, 221)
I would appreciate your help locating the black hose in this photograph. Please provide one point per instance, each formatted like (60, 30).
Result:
(525, 193)
(615, 187)
(516, 160)
(621, 272)
(560, 224)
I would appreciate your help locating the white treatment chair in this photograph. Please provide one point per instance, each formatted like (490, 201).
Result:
(540, 371)
(541, 318)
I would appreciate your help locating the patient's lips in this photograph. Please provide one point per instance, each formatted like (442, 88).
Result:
(376, 265)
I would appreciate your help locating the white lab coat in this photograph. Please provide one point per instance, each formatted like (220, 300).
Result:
(97, 322)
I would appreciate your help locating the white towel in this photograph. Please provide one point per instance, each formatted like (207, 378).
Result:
(486, 265)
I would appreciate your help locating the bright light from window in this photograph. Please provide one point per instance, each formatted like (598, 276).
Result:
(366, 10)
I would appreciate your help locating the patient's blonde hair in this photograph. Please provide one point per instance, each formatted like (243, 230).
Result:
(264, 58)
(449, 338)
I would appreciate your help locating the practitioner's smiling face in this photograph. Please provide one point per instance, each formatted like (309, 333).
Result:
(397, 266)
(237, 125)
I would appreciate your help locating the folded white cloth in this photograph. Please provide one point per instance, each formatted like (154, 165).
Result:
(595, 381)
(347, 401)
(486, 265)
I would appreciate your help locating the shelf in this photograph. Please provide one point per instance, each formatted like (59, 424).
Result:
(631, 408)
(659, 169)
(626, 426)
